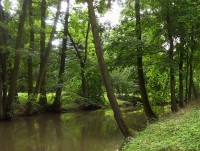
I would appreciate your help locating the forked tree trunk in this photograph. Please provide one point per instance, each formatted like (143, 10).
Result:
(57, 101)
(147, 107)
(82, 60)
(126, 131)
(43, 97)
(171, 61)
(44, 63)
(17, 57)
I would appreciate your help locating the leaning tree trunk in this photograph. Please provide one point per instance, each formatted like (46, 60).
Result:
(126, 131)
(147, 108)
(57, 101)
(43, 96)
(15, 70)
(171, 61)
(44, 63)
(31, 49)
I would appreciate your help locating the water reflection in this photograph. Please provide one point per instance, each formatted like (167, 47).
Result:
(87, 131)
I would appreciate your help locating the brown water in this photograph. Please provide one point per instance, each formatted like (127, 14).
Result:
(85, 131)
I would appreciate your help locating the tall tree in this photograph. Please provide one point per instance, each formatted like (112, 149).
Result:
(169, 21)
(31, 49)
(181, 56)
(43, 97)
(83, 78)
(191, 87)
(126, 131)
(3, 64)
(147, 108)
(17, 57)
(57, 101)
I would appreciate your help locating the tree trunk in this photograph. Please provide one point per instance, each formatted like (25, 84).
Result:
(2, 116)
(57, 101)
(186, 78)
(31, 49)
(126, 131)
(3, 65)
(171, 61)
(83, 78)
(181, 55)
(147, 108)
(82, 64)
(43, 97)
(44, 63)
(15, 70)
(191, 88)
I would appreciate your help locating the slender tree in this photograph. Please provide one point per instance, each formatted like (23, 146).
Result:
(57, 101)
(43, 97)
(126, 131)
(31, 49)
(17, 57)
(82, 60)
(181, 55)
(83, 78)
(147, 108)
(3, 64)
(191, 87)
(169, 21)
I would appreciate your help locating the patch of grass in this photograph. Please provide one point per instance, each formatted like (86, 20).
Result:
(177, 132)
(68, 102)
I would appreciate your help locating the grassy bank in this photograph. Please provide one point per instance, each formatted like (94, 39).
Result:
(177, 132)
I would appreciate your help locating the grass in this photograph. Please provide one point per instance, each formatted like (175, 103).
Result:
(177, 132)
(67, 103)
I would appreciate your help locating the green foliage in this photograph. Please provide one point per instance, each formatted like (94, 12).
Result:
(94, 85)
(123, 81)
(179, 132)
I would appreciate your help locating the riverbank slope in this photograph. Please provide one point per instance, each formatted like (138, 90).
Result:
(178, 131)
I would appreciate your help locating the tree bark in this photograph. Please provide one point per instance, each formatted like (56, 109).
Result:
(126, 131)
(171, 61)
(17, 57)
(57, 101)
(186, 78)
(181, 55)
(3, 65)
(147, 108)
(43, 97)
(31, 49)
(192, 88)
(44, 63)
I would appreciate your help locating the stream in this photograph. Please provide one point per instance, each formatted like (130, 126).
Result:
(80, 131)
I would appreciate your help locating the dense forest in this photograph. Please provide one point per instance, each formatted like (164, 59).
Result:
(57, 53)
